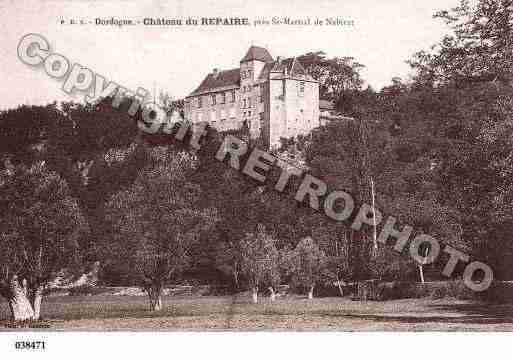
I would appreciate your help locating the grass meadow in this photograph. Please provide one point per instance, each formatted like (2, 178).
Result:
(109, 312)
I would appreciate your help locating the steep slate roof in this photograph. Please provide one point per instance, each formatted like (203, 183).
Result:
(297, 68)
(229, 79)
(291, 66)
(283, 65)
(223, 79)
(257, 53)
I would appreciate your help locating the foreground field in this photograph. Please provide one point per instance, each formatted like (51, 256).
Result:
(294, 313)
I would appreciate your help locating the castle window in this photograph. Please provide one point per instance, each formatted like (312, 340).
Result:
(249, 102)
(213, 99)
(244, 103)
(233, 95)
(199, 102)
(261, 87)
(301, 88)
(223, 97)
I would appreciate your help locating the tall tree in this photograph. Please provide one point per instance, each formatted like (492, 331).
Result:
(94, 148)
(307, 264)
(40, 230)
(339, 78)
(156, 222)
(478, 50)
(260, 261)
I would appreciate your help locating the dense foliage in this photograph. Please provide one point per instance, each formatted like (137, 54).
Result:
(81, 184)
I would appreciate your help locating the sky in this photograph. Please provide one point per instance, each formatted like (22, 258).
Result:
(175, 59)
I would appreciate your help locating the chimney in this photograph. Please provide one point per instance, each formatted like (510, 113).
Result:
(215, 72)
(278, 59)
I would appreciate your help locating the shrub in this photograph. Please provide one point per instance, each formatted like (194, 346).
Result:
(85, 290)
(499, 292)
(377, 290)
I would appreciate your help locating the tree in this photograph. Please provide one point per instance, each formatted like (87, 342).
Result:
(478, 50)
(40, 230)
(453, 150)
(95, 148)
(339, 78)
(99, 151)
(308, 264)
(228, 259)
(171, 105)
(470, 74)
(157, 220)
(346, 155)
(333, 241)
(336, 75)
(260, 261)
(241, 203)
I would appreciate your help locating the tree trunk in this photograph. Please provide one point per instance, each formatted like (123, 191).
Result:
(273, 294)
(19, 304)
(374, 232)
(421, 266)
(310, 292)
(36, 298)
(255, 295)
(340, 290)
(421, 273)
(236, 276)
(155, 297)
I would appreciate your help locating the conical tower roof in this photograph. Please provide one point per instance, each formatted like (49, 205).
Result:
(257, 53)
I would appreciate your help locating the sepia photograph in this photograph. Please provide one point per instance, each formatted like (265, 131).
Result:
(285, 170)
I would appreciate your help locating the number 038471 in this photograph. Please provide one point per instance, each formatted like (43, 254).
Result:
(30, 345)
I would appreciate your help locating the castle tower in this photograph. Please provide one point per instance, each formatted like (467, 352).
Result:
(251, 67)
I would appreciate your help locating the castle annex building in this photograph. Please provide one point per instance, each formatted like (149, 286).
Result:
(273, 98)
